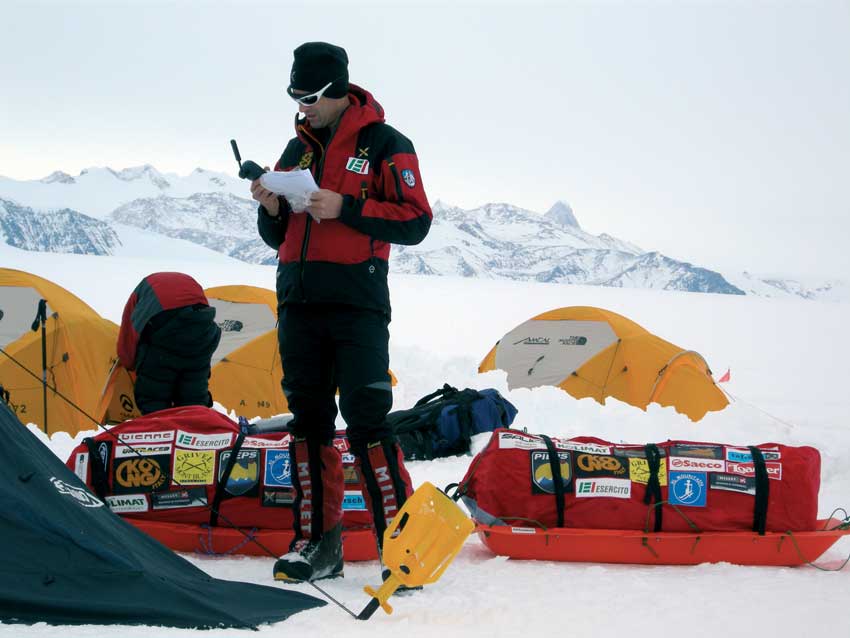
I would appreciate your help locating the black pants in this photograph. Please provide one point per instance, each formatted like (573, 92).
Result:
(173, 360)
(325, 347)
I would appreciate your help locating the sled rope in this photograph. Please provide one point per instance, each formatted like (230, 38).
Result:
(808, 562)
(644, 541)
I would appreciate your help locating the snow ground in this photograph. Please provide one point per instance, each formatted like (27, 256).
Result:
(789, 379)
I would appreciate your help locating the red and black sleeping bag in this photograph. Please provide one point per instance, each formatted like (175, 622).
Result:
(585, 482)
(183, 465)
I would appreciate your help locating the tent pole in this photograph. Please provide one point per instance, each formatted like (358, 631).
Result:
(41, 318)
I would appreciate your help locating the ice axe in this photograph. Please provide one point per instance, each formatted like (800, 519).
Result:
(420, 543)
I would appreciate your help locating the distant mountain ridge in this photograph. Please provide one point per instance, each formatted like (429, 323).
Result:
(61, 213)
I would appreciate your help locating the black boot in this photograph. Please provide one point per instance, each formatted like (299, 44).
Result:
(310, 560)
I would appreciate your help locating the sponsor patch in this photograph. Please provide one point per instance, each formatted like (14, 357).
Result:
(572, 340)
(79, 494)
(278, 498)
(81, 465)
(693, 450)
(599, 487)
(190, 497)
(681, 463)
(635, 452)
(732, 483)
(737, 455)
(353, 501)
(342, 445)
(203, 441)
(127, 503)
(774, 470)
(687, 488)
(141, 474)
(514, 440)
(257, 443)
(542, 481)
(589, 448)
(588, 465)
(359, 166)
(146, 437)
(350, 475)
(278, 470)
(104, 453)
(193, 467)
(142, 449)
(348, 458)
(639, 471)
(244, 478)
(408, 177)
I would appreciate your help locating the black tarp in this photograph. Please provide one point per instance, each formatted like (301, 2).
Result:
(66, 559)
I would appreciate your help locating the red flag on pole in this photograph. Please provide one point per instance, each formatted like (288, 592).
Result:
(726, 376)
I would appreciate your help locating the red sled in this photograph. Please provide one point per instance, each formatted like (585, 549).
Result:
(661, 548)
(357, 544)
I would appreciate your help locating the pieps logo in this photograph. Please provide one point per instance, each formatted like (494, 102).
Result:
(245, 475)
(542, 481)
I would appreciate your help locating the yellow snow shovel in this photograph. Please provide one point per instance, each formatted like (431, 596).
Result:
(419, 544)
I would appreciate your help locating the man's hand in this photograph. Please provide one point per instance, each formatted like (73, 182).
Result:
(265, 197)
(325, 204)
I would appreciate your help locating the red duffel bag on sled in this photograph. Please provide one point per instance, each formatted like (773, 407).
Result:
(676, 502)
(189, 477)
(612, 486)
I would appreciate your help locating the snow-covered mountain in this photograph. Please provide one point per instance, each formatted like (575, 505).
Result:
(58, 231)
(62, 213)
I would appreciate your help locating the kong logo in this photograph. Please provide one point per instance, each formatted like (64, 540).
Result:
(542, 481)
(193, 467)
(359, 166)
(688, 488)
(143, 474)
(595, 465)
(278, 469)
(82, 496)
(245, 475)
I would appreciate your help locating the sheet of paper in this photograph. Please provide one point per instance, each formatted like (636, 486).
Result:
(295, 186)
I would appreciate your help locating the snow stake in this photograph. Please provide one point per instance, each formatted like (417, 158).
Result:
(420, 543)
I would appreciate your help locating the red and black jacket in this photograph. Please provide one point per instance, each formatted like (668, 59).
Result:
(375, 169)
(154, 294)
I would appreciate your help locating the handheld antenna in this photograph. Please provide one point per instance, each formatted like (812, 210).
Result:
(236, 153)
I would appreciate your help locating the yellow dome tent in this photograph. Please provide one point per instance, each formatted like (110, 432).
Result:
(80, 347)
(591, 352)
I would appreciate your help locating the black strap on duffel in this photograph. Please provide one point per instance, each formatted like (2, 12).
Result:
(99, 477)
(222, 481)
(653, 485)
(555, 465)
(762, 491)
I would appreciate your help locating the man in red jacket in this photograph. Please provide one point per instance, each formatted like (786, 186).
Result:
(333, 299)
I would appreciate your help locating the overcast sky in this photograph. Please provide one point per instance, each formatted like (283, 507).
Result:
(715, 132)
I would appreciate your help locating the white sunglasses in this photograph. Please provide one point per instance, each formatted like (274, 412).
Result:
(312, 98)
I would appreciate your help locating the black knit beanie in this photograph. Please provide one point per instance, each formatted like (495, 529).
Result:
(317, 63)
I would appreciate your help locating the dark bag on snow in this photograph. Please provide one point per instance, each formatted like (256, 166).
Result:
(443, 422)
